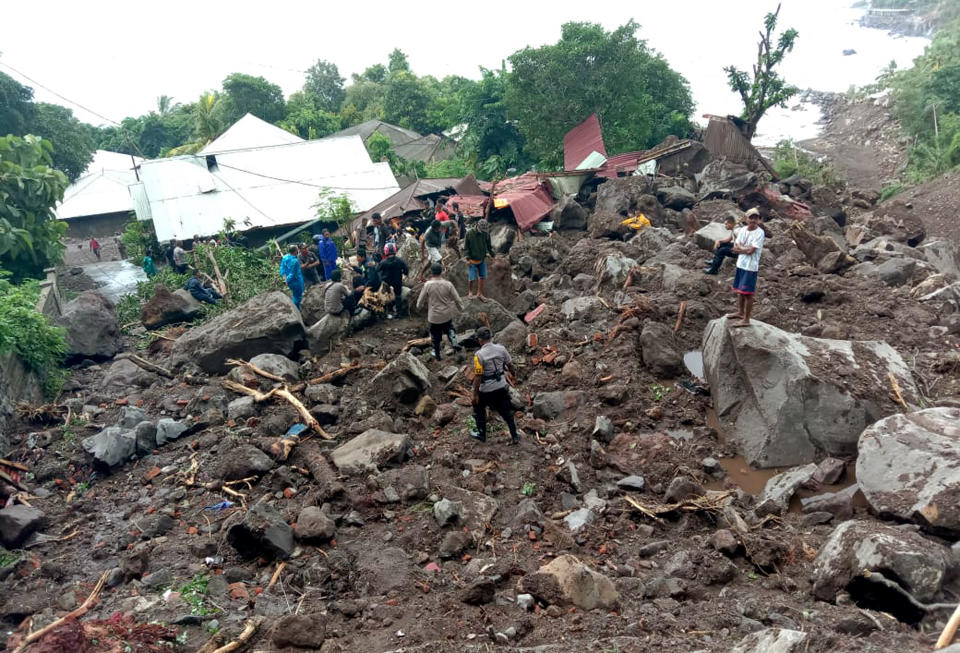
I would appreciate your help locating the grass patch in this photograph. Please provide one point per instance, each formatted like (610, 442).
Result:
(195, 592)
(659, 391)
(8, 558)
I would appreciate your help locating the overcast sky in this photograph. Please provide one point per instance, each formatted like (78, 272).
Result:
(117, 57)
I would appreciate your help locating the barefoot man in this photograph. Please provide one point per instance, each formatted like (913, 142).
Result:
(748, 245)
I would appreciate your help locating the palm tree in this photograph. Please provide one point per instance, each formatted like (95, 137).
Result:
(166, 105)
(207, 124)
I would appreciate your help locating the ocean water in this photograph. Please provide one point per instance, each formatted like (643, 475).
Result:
(722, 33)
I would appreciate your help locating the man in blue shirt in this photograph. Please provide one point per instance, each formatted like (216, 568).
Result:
(327, 251)
(292, 274)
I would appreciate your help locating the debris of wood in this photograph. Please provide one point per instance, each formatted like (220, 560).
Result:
(285, 394)
(248, 631)
(216, 269)
(256, 370)
(352, 367)
(949, 631)
(276, 575)
(76, 613)
(145, 364)
(897, 392)
(680, 313)
(713, 502)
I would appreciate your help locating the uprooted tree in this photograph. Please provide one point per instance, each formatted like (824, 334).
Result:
(765, 89)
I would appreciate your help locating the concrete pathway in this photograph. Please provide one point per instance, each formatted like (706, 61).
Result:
(115, 278)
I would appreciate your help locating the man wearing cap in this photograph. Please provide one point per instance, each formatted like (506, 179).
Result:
(490, 366)
(392, 269)
(748, 245)
(476, 247)
(443, 305)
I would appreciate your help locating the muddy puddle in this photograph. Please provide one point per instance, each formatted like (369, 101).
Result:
(740, 474)
(693, 360)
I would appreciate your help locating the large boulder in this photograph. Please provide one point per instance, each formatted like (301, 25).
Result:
(896, 220)
(370, 451)
(676, 197)
(499, 283)
(566, 580)
(773, 640)
(277, 365)
(112, 446)
(404, 378)
(578, 308)
(943, 255)
(620, 196)
(791, 399)
(568, 214)
(707, 235)
(724, 179)
(268, 323)
(821, 251)
(497, 316)
(658, 350)
(91, 324)
(502, 237)
(311, 308)
(604, 224)
(918, 564)
(909, 467)
(323, 334)
(892, 272)
(167, 307)
(614, 269)
(124, 374)
(17, 522)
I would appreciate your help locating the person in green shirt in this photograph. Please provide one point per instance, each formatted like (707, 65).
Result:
(148, 266)
(477, 247)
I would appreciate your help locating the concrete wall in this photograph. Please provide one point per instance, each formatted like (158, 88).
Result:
(50, 302)
(17, 384)
(102, 226)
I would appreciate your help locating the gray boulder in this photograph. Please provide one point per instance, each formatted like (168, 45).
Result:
(169, 429)
(278, 365)
(792, 399)
(243, 461)
(614, 269)
(676, 197)
(773, 640)
(241, 408)
(781, 488)
(498, 316)
(268, 323)
(130, 416)
(261, 533)
(314, 525)
(167, 307)
(112, 446)
(943, 255)
(91, 324)
(724, 179)
(370, 451)
(323, 334)
(17, 522)
(404, 378)
(908, 467)
(709, 234)
(578, 308)
(502, 236)
(917, 563)
(124, 374)
(893, 271)
(568, 215)
(659, 352)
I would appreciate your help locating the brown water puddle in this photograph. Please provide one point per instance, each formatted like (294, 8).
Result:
(739, 473)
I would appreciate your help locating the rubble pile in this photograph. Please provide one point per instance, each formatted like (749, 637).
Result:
(291, 495)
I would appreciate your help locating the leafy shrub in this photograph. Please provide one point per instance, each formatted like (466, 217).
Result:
(890, 190)
(27, 333)
(137, 238)
(789, 160)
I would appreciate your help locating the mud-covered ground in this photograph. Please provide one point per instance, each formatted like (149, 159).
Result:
(391, 578)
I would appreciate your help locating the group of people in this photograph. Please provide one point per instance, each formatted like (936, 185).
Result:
(745, 243)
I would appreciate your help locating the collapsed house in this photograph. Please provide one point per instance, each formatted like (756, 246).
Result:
(97, 203)
(406, 143)
(259, 177)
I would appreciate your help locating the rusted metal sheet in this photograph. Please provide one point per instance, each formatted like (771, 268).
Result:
(472, 206)
(723, 139)
(580, 141)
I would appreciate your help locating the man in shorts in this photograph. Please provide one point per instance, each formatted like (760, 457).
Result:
(748, 246)
(477, 247)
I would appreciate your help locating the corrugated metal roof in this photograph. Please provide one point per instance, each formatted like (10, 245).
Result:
(407, 200)
(581, 141)
(527, 196)
(723, 138)
(102, 188)
(260, 187)
(397, 135)
(472, 206)
(250, 132)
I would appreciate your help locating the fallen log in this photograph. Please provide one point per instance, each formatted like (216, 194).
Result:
(224, 291)
(352, 367)
(680, 314)
(256, 370)
(145, 364)
(285, 394)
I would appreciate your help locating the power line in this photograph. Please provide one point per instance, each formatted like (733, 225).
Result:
(123, 129)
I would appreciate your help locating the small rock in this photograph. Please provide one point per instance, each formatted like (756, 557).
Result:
(568, 474)
(313, 525)
(525, 601)
(307, 631)
(130, 417)
(453, 543)
(579, 518)
(17, 522)
(830, 471)
(241, 408)
(446, 511)
(169, 429)
(725, 542)
(632, 482)
(682, 488)
(603, 429)
(479, 592)
(158, 578)
(426, 407)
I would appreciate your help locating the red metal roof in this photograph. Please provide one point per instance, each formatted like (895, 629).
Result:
(580, 141)
(472, 206)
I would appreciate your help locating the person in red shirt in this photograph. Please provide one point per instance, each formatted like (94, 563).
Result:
(95, 246)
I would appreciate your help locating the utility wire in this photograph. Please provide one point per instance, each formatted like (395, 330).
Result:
(302, 183)
(126, 134)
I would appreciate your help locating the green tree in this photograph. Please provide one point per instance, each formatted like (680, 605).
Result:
(72, 145)
(306, 119)
(375, 73)
(489, 133)
(381, 149)
(765, 89)
(16, 106)
(639, 98)
(166, 105)
(398, 62)
(363, 101)
(29, 190)
(408, 101)
(243, 94)
(325, 84)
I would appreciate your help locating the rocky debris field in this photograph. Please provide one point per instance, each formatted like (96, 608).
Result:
(628, 518)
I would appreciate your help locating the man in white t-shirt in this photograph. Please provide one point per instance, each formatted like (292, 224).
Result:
(748, 245)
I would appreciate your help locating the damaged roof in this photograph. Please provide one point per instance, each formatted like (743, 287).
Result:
(581, 141)
(409, 199)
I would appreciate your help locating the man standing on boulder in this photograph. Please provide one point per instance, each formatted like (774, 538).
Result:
(748, 245)
(490, 366)
(327, 251)
(443, 304)
(477, 247)
(292, 274)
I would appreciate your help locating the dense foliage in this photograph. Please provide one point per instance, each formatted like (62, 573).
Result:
(789, 160)
(137, 238)
(640, 100)
(27, 333)
(764, 88)
(927, 102)
(29, 189)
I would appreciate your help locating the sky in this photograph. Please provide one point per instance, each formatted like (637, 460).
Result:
(116, 58)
